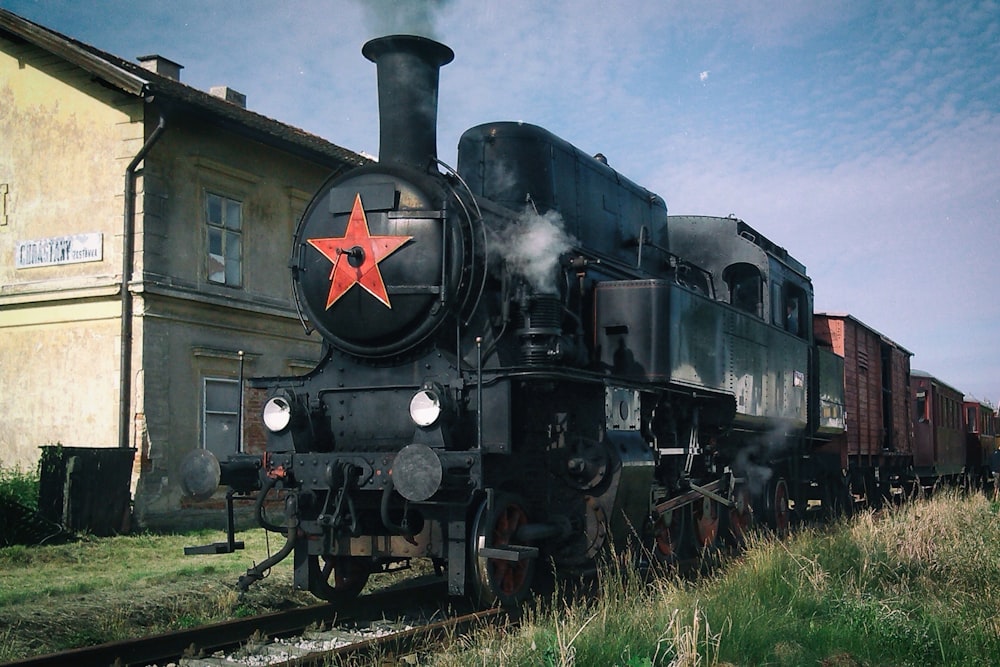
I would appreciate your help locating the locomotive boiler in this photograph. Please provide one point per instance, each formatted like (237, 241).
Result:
(527, 362)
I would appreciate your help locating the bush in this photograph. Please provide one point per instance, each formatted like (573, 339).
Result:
(19, 486)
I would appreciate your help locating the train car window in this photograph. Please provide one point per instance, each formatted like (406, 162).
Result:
(777, 307)
(921, 406)
(793, 310)
(745, 287)
(792, 316)
(695, 278)
(970, 421)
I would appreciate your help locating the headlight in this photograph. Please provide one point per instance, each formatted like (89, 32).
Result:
(277, 414)
(425, 407)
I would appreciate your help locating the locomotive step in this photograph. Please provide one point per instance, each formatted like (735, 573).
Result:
(509, 552)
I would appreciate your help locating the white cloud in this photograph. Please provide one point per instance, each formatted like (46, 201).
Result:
(859, 136)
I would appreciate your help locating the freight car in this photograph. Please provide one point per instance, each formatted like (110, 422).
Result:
(527, 362)
(874, 455)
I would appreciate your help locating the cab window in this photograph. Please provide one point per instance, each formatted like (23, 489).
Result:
(745, 287)
(790, 310)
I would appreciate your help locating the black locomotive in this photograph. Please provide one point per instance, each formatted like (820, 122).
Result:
(528, 361)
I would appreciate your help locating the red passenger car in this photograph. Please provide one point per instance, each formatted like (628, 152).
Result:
(938, 429)
(876, 450)
(980, 439)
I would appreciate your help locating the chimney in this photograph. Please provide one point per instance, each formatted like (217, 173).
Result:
(162, 66)
(228, 94)
(408, 73)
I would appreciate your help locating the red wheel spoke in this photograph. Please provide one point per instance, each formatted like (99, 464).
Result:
(498, 579)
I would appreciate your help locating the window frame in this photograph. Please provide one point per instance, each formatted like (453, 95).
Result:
(745, 279)
(207, 414)
(228, 235)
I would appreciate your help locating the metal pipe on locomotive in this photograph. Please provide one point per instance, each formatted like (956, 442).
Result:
(492, 411)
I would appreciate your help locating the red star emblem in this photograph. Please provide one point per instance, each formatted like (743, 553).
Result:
(356, 256)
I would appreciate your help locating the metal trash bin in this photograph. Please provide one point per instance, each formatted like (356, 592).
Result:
(87, 489)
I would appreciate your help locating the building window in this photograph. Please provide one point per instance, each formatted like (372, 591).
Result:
(225, 223)
(220, 416)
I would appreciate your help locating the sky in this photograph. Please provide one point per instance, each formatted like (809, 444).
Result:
(862, 136)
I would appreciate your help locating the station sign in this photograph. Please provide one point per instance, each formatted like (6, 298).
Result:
(59, 250)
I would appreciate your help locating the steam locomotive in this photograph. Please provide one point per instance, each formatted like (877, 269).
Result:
(527, 362)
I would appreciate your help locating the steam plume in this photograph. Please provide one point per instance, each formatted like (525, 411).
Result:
(532, 246)
(413, 17)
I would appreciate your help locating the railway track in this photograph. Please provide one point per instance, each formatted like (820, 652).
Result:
(390, 622)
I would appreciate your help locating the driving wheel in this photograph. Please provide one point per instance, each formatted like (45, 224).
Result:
(500, 580)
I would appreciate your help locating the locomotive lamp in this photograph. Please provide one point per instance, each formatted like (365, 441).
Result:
(277, 414)
(425, 407)
(280, 411)
(429, 405)
(288, 420)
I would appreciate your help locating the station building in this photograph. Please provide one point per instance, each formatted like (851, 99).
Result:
(145, 231)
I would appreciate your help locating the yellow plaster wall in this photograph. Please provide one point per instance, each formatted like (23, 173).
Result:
(60, 378)
(66, 143)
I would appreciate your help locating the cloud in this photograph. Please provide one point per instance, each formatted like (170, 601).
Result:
(860, 136)
(901, 240)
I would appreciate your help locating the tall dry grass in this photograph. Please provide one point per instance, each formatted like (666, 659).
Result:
(917, 584)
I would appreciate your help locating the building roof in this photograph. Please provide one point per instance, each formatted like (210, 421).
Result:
(133, 79)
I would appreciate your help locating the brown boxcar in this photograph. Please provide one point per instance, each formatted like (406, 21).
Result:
(876, 450)
(938, 428)
(980, 439)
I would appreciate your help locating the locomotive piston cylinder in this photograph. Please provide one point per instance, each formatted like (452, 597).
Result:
(559, 528)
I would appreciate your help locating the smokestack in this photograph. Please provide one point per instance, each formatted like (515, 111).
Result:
(408, 68)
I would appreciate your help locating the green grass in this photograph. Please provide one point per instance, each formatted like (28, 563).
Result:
(122, 563)
(915, 585)
(96, 590)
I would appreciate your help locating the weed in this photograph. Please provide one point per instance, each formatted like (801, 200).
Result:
(20, 486)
